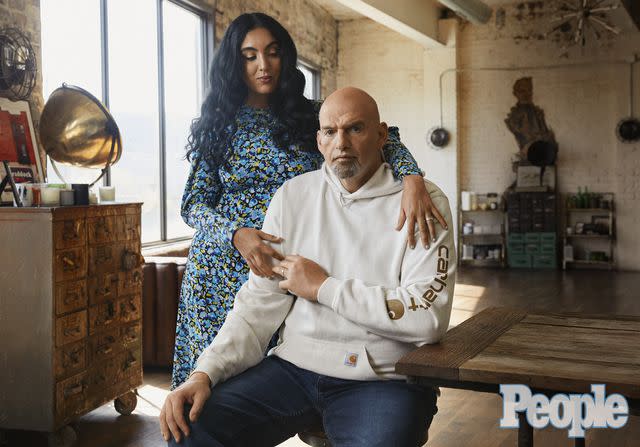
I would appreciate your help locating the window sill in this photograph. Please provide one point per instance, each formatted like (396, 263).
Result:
(172, 249)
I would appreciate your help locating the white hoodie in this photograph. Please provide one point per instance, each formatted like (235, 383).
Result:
(382, 299)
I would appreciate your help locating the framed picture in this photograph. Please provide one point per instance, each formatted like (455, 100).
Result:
(18, 145)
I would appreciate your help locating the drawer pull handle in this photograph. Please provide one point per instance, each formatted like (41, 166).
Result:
(130, 260)
(102, 227)
(71, 297)
(129, 363)
(72, 359)
(105, 349)
(76, 389)
(69, 264)
(70, 230)
(72, 331)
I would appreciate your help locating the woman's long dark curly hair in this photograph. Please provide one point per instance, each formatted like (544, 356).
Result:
(297, 120)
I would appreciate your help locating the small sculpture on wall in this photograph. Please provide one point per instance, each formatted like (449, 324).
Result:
(526, 121)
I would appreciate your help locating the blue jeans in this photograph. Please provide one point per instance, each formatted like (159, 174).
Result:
(275, 399)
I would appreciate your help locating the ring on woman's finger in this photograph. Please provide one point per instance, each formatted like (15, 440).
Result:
(429, 219)
(282, 270)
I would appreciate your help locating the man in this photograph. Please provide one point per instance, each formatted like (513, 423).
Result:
(353, 299)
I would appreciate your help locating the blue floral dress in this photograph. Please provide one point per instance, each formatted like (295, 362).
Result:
(216, 203)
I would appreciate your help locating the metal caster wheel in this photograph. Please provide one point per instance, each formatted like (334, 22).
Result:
(126, 403)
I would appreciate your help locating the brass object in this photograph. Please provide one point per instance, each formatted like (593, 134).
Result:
(76, 129)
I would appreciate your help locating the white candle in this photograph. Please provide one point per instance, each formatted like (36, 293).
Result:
(50, 196)
(107, 194)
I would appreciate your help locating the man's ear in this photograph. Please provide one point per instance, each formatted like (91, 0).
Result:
(383, 133)
(318, 142)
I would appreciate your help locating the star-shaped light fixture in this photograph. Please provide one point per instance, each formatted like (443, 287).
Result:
(580, 17)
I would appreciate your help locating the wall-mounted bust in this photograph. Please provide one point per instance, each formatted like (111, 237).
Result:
(527, 123)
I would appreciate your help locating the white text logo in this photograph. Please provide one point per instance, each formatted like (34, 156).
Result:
(574, 411)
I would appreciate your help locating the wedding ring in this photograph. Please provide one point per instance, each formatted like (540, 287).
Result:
(429, 219)
(282, 269)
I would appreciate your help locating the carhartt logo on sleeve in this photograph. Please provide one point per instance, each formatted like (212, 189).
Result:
(441, 277)
(395, 309)
(351, 359)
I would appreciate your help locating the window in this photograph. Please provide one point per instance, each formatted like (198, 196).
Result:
(146, 60)
(312, 78)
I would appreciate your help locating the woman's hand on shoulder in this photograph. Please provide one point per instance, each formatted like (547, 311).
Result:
(250, 242)
(417, 207)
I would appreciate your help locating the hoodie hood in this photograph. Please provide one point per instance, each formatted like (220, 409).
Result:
(381, 183)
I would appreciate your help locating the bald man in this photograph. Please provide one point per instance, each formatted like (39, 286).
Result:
(349, 300)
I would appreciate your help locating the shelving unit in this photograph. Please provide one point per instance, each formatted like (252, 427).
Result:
(532, 223)
(585, 245)
(491, 221)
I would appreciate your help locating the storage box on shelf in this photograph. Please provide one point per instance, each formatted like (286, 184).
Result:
(70, 317)
(531, 240)
(532, 250)
(589, 235)
(481, 235)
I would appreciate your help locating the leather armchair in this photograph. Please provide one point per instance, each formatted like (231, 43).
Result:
(162, 278)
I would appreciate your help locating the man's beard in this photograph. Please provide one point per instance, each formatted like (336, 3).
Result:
(346, 169)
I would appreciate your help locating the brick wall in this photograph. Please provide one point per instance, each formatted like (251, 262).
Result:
(25, 15)
(582, 104)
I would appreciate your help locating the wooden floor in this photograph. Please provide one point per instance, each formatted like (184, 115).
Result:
(464, 419)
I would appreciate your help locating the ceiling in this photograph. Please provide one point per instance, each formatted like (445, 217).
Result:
(625, 19)
(338, 10)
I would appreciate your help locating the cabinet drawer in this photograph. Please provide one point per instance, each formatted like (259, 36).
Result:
(519, 261)
(103, 287)
(130, 258)
(104, 258)
(128, 227)
(70, 296)
(69, 233)
(70, 359)
(105, 345)
(71, 397)
(101, 229)
(100, 378)
(70, 264)
(130, 282)
(70, 328)
(102, 316)
(130, 308)
(130, 364)
(130, 335)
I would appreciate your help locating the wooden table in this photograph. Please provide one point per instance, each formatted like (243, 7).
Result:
(550, 353)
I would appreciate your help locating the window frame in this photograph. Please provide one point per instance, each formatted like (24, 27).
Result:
(317, 72)
(207, 33)
(208, 46)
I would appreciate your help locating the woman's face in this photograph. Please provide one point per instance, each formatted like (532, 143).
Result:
(261, 54)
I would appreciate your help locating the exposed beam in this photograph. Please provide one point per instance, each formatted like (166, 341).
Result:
(415, 19)
(633, 8)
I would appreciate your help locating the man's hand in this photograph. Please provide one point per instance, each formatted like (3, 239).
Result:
(302, 276)
(195, 392)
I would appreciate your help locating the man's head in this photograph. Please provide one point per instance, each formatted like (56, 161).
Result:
(523, 90)
(351, 136)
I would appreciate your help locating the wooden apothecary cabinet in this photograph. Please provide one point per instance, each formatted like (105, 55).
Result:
(70, 312)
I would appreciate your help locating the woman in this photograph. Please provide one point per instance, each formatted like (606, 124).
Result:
(256, 130)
